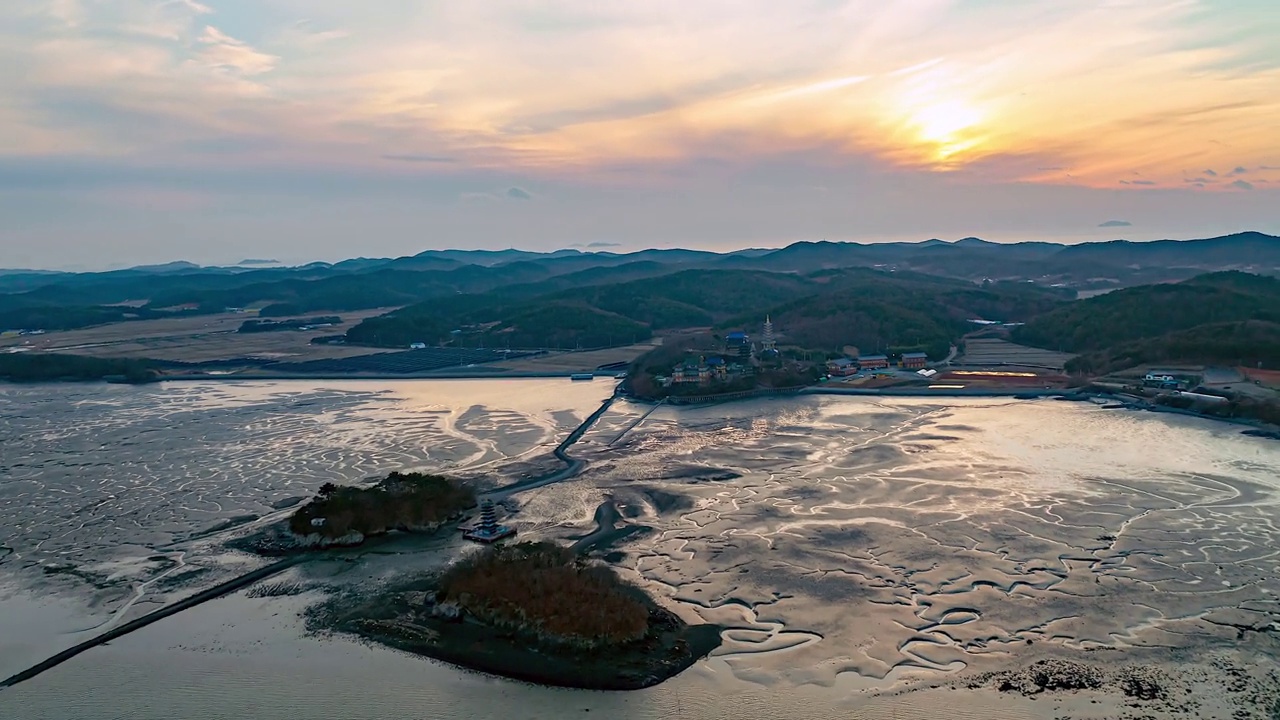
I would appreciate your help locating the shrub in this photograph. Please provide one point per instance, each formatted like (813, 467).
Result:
(400, 502)
(547, 591)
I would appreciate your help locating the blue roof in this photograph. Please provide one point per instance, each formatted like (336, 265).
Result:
(915, 355)
(863, 358)
(715, 361)
(737, 334)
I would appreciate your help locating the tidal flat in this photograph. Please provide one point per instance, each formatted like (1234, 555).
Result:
(867, 556)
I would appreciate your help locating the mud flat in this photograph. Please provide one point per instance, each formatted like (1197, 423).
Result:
(866, 557)
(866, 544)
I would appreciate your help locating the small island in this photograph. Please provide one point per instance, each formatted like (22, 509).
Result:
(406, 502)
(53, 367)
(532, 611)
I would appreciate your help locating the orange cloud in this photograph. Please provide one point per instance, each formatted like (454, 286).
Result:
(923, 85)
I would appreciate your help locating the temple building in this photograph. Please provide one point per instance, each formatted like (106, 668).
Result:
(488, 530)
(737, 343)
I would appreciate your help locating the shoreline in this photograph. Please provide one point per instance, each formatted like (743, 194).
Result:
(703, 401)
(670, 646)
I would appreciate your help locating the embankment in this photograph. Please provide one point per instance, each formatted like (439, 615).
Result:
(203, 596)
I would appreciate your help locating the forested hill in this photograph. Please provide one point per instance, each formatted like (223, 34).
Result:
(1153, 310)
(1246, 343)
(1230, 317)
(872, 309)
(895, 312)
(44, 300)
(592, 316)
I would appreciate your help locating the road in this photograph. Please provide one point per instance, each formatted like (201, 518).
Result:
(573, 465)
(203, 596)
(955, 350)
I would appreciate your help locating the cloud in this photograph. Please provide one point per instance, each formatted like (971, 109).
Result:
(1115, 223)
(1199, 181)
(498, 84)
(1239, 171)
(420, 158)
(1210, 173)
(1144, 182)
(941, 97)
(604, 245)
(226, 53)
(1242, 185)
(170, 20)
(516, 193)
(1268, 167)
(301, 34)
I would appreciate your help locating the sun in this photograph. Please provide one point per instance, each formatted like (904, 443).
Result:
(946, 128)
(941, 122)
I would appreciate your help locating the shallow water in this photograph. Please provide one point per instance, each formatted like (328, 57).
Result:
(851, 545)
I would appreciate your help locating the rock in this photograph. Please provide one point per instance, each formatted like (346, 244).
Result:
(1050, 675)
(418, 598)
(450, 611)
(1142, 683)
(316, 540)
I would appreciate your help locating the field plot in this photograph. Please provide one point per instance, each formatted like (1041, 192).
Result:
(993, 351)
(1001, 379)
(1268, 378)
(409, 362)
(571, 362)
(195, 339)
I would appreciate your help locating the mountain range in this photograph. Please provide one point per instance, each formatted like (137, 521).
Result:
(65, 300)
(1249, 249)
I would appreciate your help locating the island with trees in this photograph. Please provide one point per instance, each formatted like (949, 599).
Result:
(51, 367)
(537, 612)
(406, 502)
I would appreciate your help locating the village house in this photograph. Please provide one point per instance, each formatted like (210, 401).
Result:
(691, 373)
(717, 368)
(914, 360)
(841, 367)
(873, 362)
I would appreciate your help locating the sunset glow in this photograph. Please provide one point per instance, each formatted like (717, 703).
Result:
(205, 98)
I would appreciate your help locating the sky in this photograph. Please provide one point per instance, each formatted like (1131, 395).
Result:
(137, 131)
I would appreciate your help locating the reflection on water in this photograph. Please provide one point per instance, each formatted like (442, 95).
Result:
(849, 544)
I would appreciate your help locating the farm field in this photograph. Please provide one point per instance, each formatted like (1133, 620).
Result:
(407, 362)
(994, 351)
(571, 362)
(195, 339)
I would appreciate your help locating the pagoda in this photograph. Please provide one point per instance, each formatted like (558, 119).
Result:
(767, 341)
(488, 530)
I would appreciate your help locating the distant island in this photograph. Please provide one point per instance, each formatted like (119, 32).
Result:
(50, 367)
(532, 611)
(406, 502)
